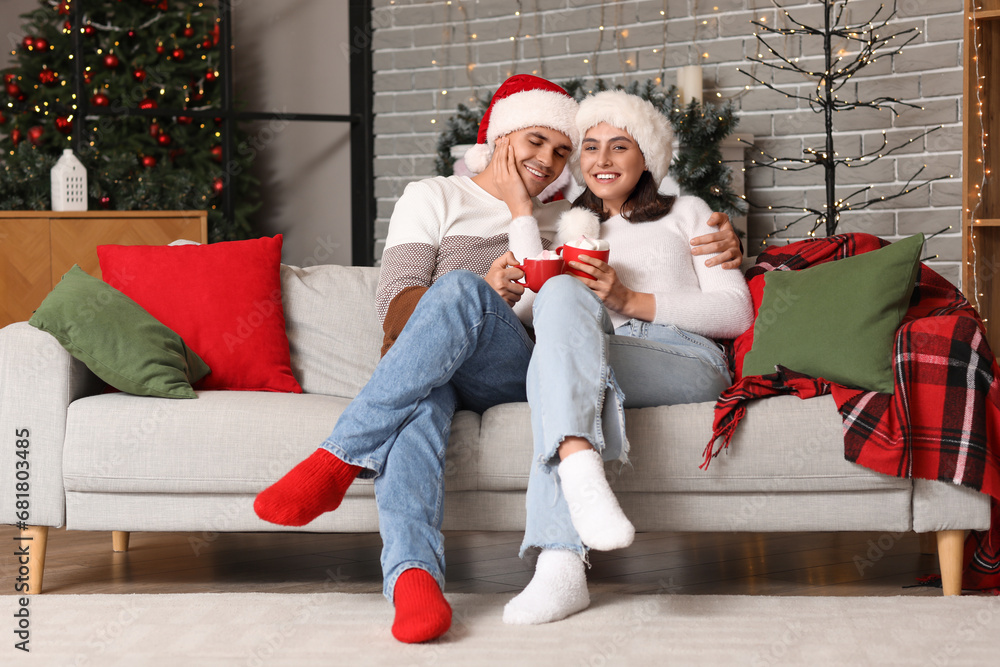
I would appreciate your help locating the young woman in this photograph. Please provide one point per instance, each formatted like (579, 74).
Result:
(635, 334)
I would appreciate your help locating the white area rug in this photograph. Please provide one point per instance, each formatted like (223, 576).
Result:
(262, 629)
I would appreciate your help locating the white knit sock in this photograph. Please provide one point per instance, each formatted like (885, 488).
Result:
(593, 508)
(558, 589)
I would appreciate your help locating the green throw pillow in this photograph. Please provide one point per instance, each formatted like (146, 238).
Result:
(119, 341)
(837, 320)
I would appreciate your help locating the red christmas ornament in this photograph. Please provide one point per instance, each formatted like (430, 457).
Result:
(160, 48)
(216, 152)
(178, 54)
(35, 134)
(100, 100)
(67, 26)
(130, 34)
(185, 120)
(64, 124)
(139, 75)
(41, 43)
(163, 140)
(14, 90)
(105, 202)
(111, 61)
(215, 34)
(163, 6)
(3, 119)
(28, 42)
(148, 161)
(9, 78)
(218, 186)
(88, 75)
(64, 8)
(147, 104)
(47, 76)
(207, 44)
(154, 130)
(210, 75)
(189, 31)
(15, 136)
(89, 30)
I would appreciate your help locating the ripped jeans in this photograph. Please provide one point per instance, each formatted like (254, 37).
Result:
(583, 374)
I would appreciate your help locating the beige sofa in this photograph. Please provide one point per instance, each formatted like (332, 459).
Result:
(116, 462)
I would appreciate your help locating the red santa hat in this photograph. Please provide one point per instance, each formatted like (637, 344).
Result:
(522, 101)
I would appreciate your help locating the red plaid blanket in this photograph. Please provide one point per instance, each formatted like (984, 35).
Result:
(943, 421)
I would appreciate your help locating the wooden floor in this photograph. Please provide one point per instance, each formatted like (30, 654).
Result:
(483, 562)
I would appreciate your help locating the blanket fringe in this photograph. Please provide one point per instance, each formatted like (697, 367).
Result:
(726, 432)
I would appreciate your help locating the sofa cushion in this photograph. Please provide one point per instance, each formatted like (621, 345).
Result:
(225, 442)
(334, 335)
(783, 444)
(836, 320)
(224, 299)
(117, 339)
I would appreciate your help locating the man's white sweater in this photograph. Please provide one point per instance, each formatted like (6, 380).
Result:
(445, 223)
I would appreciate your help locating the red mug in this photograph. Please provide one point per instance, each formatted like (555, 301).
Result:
(537, 271)
(572, 254)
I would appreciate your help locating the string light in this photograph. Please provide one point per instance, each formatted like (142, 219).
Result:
(981, 186)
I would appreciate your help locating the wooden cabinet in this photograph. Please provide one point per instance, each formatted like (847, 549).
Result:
(38, 247)
(981, 162)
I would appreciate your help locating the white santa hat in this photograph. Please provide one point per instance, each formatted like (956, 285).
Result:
(638, 117)
(522, 101)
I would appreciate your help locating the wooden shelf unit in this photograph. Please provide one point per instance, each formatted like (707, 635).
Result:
(38, 247)
(981, 191)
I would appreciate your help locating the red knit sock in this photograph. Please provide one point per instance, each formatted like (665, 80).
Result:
(314, 486)
(422, 613)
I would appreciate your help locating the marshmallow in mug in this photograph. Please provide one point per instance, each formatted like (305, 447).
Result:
(547, 254)
(587, 243)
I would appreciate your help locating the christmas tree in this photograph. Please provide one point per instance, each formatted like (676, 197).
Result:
(139, 54)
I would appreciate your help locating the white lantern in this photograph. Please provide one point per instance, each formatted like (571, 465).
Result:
(69, 184)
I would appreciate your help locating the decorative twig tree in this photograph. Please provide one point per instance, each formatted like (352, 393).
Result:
(847, 49)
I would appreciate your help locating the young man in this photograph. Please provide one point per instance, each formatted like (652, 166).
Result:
(448, 276)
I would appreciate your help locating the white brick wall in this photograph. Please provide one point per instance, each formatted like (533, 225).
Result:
(421, 49)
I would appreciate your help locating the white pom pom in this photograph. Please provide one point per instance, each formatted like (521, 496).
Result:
(478, 157)
(575, 223)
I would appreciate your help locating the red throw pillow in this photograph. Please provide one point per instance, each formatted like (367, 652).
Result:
(223, 299)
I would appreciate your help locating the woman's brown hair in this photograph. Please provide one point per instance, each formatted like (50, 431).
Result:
(644, 204)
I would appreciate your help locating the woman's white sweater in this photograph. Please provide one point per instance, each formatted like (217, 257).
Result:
(655, 257)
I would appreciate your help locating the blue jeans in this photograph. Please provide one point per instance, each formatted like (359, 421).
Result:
(582, 376)
(462, 345)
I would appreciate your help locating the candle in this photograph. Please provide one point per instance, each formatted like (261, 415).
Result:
(689, 83)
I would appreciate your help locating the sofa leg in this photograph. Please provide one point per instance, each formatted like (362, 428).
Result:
(119, 540)
(951, 546)
(34, 539)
